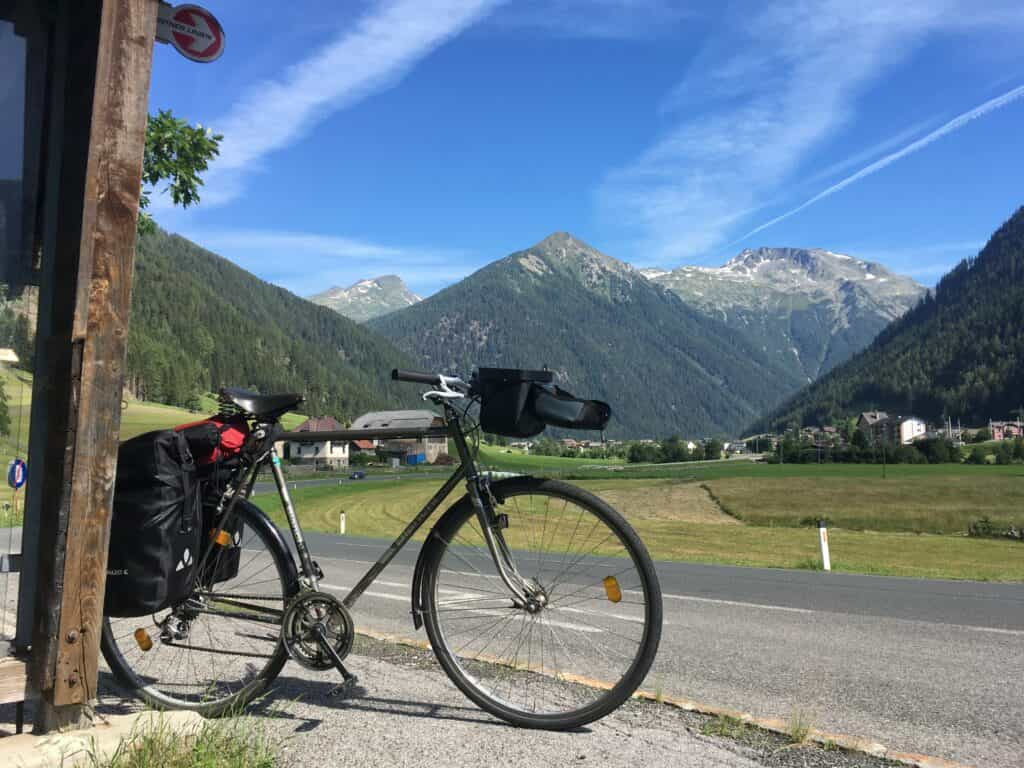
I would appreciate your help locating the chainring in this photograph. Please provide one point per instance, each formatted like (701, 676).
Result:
(298, 629)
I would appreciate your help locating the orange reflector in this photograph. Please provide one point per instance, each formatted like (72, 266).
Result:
(220, 536)
(143, 639)
(611, 588)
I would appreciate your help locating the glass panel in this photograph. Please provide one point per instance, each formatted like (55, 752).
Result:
(12, 145)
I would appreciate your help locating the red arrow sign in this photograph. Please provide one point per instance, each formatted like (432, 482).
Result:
(193, 31)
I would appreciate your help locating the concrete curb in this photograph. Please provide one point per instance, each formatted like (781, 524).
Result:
(73, 748)
(773, 725)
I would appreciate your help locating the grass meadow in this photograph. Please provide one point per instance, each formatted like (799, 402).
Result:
(759, 518)
(136, 417)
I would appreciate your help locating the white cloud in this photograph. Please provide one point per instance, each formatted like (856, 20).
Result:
(306, 263)
(374, 54)
(869, 152)
(955, 124)
(600, 19)
(759, 100)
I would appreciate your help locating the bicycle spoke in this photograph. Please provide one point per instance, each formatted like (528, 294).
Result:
(532, 658)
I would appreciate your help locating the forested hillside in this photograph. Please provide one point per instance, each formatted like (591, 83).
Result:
(960, 352)
(199, 322)
(606, 331)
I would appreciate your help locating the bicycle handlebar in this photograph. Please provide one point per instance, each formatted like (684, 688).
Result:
(417, 378)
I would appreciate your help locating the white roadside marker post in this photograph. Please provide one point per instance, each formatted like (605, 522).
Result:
(341, 524)
(826, 563)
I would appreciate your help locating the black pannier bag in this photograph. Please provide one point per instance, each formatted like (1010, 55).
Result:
(156, 531)
(520, 403)
(221, 549)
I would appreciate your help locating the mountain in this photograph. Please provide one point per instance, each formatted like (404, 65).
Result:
(606, 331)
(199, 322)
(959, 352)
(810, 307)
(367, 299)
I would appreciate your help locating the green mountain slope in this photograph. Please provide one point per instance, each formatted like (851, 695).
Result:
(959, 352)
(606, 331)
(200, 322)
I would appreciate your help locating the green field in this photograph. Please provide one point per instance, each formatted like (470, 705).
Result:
(136, 417)
(514, 460)
(911, 523)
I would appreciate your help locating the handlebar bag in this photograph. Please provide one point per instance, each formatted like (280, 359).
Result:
(505, 399)
(554, 406)
(155, 532)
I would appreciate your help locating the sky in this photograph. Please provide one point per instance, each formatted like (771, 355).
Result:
(427, 138)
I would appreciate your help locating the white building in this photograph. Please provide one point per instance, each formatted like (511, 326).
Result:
(331, 452)
(912, 429)
(410, 451)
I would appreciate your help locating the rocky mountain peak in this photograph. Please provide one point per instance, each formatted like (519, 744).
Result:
(563, 251)
(366, 299)
(814, 305)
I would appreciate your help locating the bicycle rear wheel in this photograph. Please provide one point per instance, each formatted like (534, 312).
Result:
(587, 649)
(219, 649)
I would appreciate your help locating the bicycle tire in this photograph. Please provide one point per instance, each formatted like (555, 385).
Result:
(466, 673)
(155, 691)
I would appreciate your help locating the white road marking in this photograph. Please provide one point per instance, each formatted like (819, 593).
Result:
(731, 603)
(604, 614)
(995, 630)
(481, 611)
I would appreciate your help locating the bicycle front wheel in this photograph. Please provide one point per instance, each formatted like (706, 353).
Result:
(221, 648)
(580, 654)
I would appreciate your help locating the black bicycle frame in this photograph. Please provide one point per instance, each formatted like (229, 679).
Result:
(477, 490)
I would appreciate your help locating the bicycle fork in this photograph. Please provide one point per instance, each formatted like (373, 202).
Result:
(526, 593)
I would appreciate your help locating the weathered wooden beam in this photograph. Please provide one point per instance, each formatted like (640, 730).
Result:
(13, 680)
(58, 362)
(113, 186)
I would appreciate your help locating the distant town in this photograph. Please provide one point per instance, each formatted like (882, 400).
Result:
(871, 437)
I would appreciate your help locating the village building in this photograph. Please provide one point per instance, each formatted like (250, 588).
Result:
(333, 453)
(1006, 430)
(419, 450)
(912, 429)
(879, 426)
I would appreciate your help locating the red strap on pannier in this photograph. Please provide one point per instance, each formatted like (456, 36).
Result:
(233, 431)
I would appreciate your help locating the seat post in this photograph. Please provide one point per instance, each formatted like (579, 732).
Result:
(293, 521)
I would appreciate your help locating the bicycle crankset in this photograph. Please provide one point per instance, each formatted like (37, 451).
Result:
(317, 631)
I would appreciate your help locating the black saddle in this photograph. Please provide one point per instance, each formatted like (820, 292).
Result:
(260, 406)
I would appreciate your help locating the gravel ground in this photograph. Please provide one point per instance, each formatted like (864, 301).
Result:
(405, 712)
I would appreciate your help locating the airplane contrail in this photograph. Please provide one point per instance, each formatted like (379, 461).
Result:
(956, 123)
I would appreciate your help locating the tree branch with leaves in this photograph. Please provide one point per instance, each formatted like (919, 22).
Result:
(176, 153)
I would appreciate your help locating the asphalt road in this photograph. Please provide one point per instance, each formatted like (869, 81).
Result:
(919, 665)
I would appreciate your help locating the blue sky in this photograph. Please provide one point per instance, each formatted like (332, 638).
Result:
(429, 138)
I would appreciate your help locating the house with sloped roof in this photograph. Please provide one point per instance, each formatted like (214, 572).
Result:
(419, 450)
(333, 453)
(876, 426)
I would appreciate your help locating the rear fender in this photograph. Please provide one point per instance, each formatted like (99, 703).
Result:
(257, 518)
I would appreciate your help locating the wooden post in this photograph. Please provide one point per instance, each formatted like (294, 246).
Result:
(95, 243)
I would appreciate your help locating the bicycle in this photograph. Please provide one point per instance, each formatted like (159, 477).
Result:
(539, 600)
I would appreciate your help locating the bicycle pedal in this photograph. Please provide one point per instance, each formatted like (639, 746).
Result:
(345, 687)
